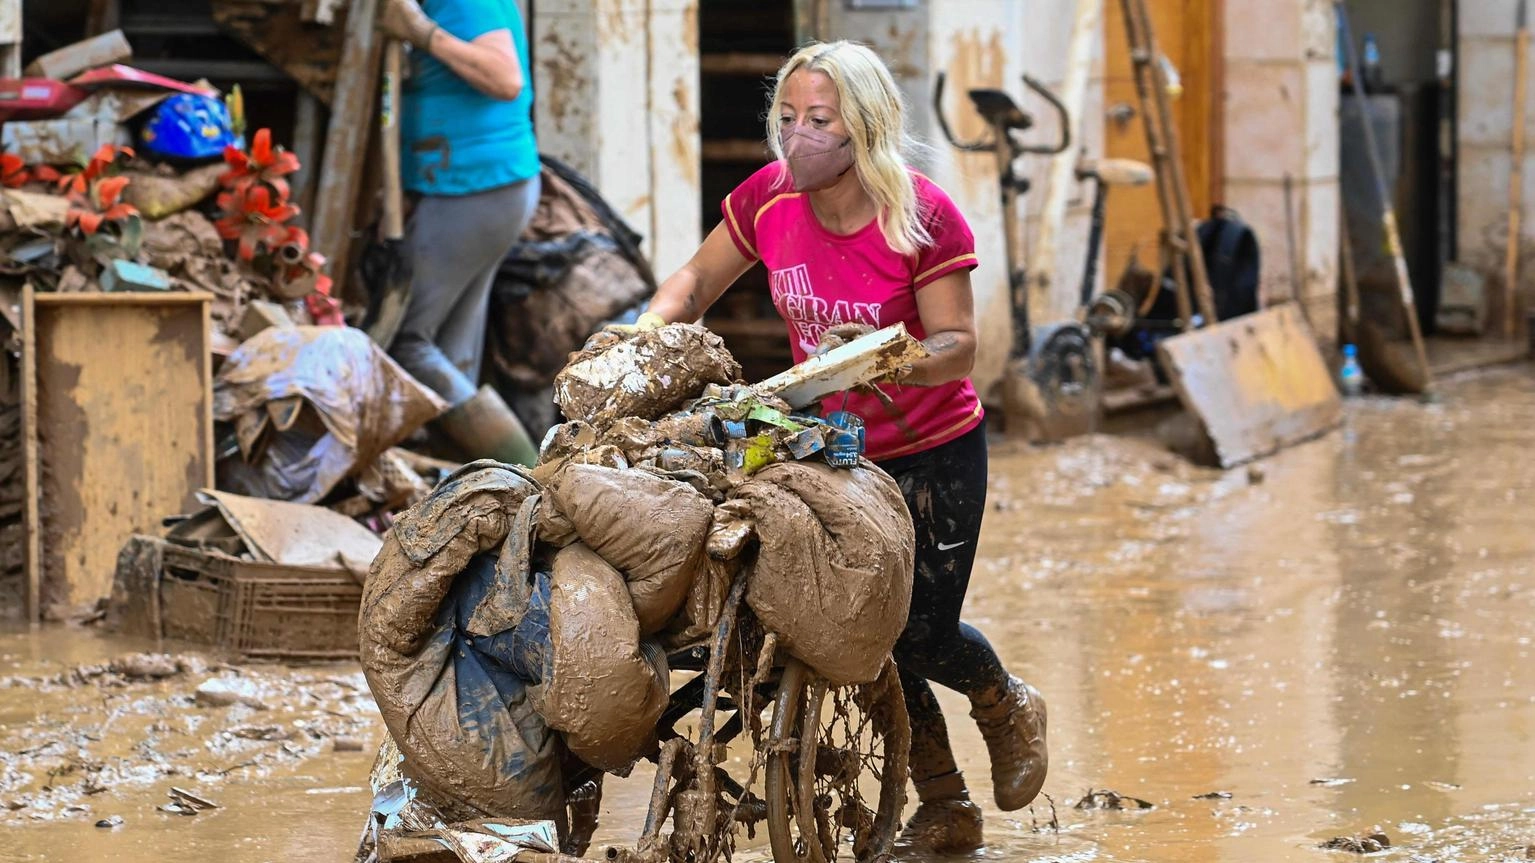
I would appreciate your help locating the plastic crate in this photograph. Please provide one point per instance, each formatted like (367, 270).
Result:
(258, 611)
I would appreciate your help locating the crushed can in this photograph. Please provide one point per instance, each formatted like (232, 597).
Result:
(845, 443)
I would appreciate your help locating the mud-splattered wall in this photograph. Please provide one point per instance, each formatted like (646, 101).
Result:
(617, 85)
(1281, 115)
(984, 43)
(1485, 131)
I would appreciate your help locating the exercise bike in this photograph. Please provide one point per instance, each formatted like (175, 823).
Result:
(1054, 370)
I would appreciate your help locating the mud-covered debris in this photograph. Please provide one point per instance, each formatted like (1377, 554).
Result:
(1213, 795)
(227, 691)
(1112, 801)
(184, 802)
(347, 744)
(260, 732)
(1441, 786)
(120, 671)
(1358, 844)
(110, 821)
(1331, 782)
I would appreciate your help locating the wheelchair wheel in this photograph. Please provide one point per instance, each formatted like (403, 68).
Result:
(836, 768)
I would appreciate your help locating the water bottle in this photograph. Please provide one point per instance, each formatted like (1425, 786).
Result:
(1351, 377)
(1374, 76)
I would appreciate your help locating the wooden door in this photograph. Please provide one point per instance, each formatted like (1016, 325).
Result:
(1188, 33)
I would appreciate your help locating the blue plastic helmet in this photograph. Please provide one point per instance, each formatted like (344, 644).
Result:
(190, 126)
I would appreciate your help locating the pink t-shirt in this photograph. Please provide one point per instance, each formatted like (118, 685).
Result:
(820, 279)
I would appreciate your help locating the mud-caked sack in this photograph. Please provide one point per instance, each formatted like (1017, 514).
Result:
(650, 528)
(603, 687)
(832, 571)
(465, 724)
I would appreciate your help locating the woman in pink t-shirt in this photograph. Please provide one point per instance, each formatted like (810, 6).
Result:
(850, 235)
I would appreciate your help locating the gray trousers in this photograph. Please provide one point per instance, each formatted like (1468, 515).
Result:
(455, 244)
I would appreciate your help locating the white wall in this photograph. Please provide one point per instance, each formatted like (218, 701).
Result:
(617, 98)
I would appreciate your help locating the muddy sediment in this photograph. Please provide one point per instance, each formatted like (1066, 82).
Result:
(1336, 645)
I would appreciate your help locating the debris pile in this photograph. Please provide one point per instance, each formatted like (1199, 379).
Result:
(517, 622)
(118, 181)
(157, 721)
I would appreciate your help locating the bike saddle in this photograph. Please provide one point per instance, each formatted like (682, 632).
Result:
(999, 109)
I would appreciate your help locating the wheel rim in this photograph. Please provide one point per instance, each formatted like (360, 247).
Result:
(837, 769)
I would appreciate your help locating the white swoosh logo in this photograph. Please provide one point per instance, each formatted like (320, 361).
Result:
(949, 546)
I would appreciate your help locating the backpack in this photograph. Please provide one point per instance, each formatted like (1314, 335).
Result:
(1232, 262)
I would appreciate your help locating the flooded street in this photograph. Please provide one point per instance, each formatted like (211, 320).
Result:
(1336, 642)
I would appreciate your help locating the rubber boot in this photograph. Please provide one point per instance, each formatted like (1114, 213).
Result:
(1014, 730)
(946, 821)
(484, 427)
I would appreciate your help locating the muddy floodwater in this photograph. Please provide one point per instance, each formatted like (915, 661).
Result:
(1336, 642)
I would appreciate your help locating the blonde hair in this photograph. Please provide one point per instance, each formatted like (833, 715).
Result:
(875, 115)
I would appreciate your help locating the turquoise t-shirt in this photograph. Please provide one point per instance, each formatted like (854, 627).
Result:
(454, 139)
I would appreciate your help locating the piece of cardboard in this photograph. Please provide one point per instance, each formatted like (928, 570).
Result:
(65, 141)
(296, 534)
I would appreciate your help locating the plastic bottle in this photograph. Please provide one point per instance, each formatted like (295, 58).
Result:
(1374, 76)
(1351, 377)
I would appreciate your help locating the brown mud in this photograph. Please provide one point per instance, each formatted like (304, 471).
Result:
(1334, 644)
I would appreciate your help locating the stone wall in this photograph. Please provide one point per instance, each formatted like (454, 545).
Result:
(1485, 130)
(1281, 113)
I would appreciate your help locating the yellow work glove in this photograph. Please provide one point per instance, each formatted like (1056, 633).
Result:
(646, 322)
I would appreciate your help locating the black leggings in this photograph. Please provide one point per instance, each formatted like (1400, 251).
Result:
(945, 489)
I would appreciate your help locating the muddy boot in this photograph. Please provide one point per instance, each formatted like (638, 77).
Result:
(484, 427)
(946, 822)
(1014, 730)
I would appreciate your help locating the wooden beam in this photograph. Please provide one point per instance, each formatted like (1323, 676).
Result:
(346, 141)
(31, 467)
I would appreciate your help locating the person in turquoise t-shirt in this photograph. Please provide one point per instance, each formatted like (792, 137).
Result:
(470, 160)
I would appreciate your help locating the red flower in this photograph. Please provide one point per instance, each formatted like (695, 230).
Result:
(100, 204)
(264, 164)
(253, 218)
(79, 182)
(13, 172)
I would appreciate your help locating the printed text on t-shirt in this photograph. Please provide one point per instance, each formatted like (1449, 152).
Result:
(811, 316)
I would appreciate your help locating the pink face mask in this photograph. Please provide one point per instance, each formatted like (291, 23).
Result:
(816, 159)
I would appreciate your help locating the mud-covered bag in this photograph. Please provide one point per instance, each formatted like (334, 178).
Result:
(650, 528)
(833, 569)
(602, 686)
(647, 375)
(463, 721)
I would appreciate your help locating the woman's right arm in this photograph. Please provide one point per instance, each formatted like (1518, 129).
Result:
(694, 288)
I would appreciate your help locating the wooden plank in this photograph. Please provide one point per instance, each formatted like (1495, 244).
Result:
(102, 298)
(1258, 383)
(123, 428)
(862, 360)
(32, 468)
(307, 53)
(346, 142)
